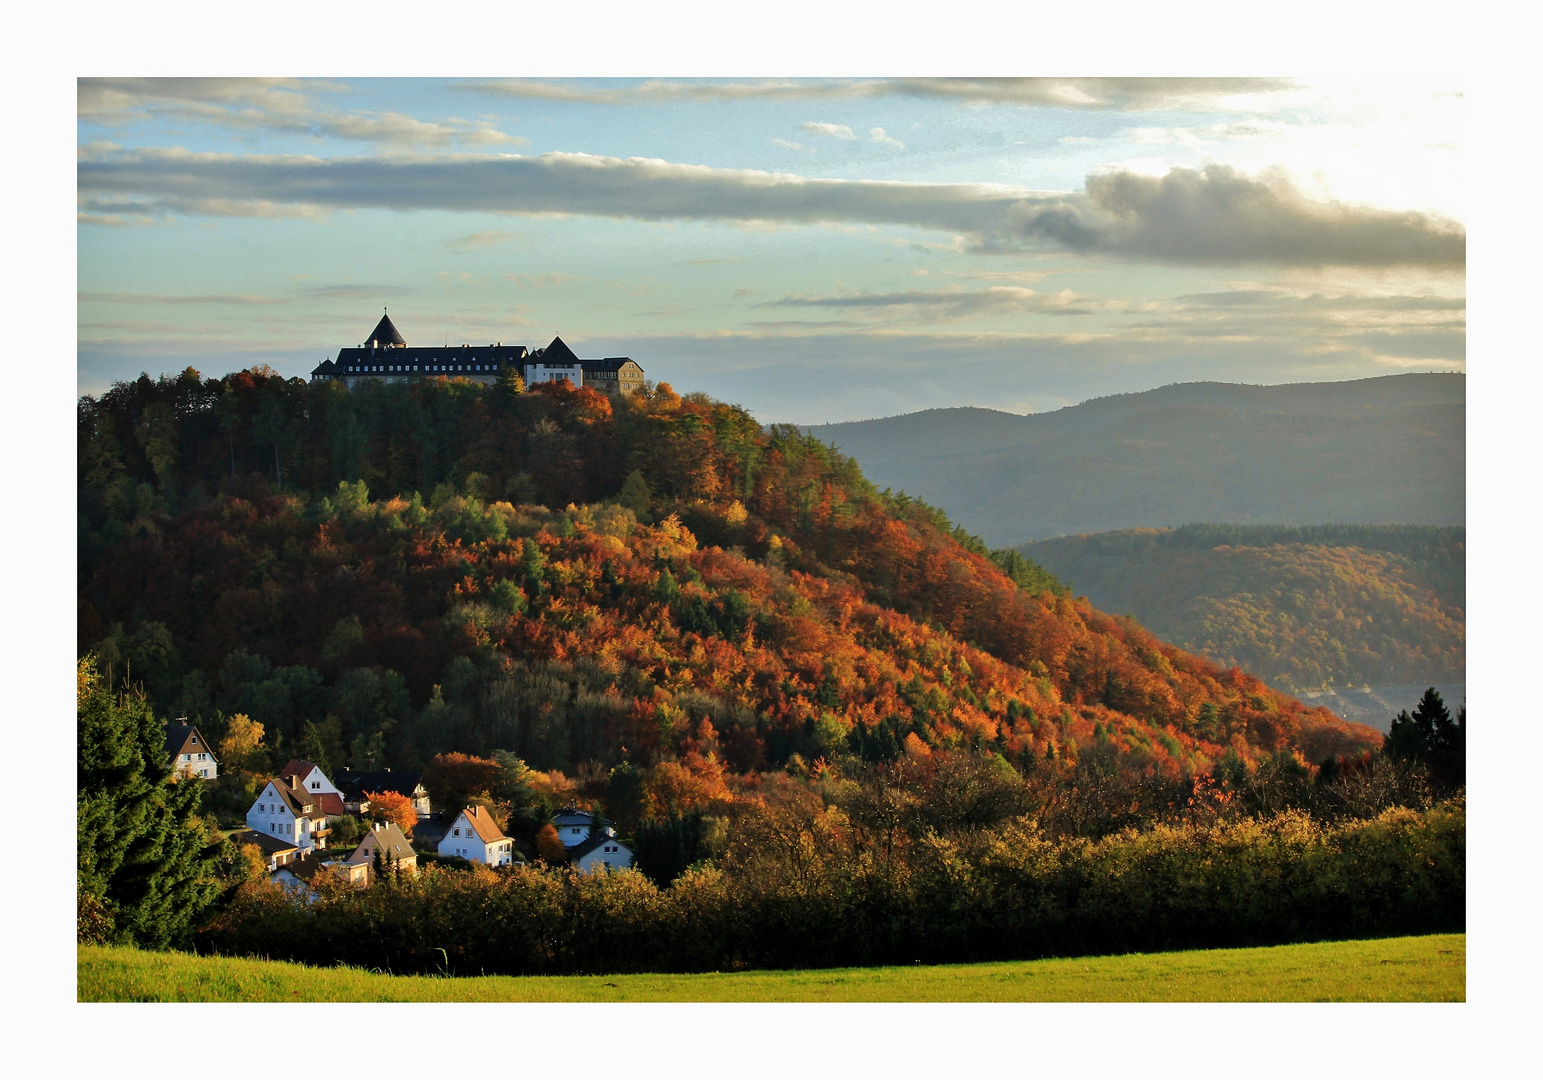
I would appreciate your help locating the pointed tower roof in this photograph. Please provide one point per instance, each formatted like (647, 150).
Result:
(558, 353)
(385, 333)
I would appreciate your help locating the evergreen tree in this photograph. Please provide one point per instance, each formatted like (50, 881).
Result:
(635, 496)
(145, 868)
(1432, 738)
(311, 749)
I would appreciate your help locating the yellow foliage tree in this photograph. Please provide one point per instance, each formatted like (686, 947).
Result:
(242, 743)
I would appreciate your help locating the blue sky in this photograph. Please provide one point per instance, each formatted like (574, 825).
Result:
(816, 250)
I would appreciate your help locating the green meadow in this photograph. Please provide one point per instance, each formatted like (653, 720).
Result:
(1431, 968)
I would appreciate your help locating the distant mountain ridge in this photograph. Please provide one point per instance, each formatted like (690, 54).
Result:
(1383, 450)
(1303, 607)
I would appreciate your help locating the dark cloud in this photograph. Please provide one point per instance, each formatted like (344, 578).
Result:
(161, 298)
(1108, 94)
(357, 292)
(1215, 216)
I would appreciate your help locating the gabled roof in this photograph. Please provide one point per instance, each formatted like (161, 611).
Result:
(578, 851)
(487, 829)
(293, 800)
(177, 740)
(391, 842)
(296, 768)
(558, 353)
(385, 333)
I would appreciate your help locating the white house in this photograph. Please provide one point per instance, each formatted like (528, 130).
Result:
(289, 814)
(298, 875)
(356, 787)
(189, 752)
(392, 845)
(308, 778)
(573, 825)
(600, 853)
(474, 836)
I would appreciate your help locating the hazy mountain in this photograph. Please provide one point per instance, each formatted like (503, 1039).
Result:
(1389, 449)
(1304, 608)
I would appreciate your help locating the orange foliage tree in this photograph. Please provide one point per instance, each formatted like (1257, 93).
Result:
(549, 845)
(393, 807)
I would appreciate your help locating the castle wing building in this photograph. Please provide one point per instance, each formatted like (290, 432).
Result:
(386, 357)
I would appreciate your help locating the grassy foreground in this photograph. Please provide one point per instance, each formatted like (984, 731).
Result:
(1391, 969)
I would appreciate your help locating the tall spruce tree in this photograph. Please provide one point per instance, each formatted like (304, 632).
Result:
(1431, 737)
(145, 867)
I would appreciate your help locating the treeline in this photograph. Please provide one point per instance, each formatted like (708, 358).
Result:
(1304, 607)
(808, 886)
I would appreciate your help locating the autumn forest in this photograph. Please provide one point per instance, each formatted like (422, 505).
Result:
(717, 631)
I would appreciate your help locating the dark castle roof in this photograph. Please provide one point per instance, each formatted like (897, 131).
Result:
(385, 333)
(558, 353)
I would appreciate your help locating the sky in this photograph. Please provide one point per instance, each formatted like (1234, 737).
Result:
(816, 250)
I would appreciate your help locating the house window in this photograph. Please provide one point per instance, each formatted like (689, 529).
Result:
(272, 827)
(458, 832)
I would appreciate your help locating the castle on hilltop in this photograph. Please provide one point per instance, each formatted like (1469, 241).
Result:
(386, 357)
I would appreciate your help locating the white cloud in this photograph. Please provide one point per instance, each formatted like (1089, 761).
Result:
(877, 135)
(1107, 94)
(272, 104)
(834, 131)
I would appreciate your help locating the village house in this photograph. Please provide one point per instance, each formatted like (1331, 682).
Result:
(474, 836)
(590, 848)
(385, 356)
(287, 812)
(275, 851)
(189, 752)
(393, 846)
(306, 777)
(356, 786)
(299, 875)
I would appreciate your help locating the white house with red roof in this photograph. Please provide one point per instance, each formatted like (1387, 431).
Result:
(308, 778)
(476, 837)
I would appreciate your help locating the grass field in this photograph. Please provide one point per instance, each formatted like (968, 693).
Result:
(1391, 969)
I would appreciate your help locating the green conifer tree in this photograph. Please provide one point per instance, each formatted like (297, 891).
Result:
(145, 867)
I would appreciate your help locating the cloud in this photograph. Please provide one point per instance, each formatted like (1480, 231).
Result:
(786, 145)
(357, 292)
(478, 241)
(160, 298)
(953, 303)
(877, 135)
(1105, 94)
(833, 131)
(1213, 216)
(287, 105)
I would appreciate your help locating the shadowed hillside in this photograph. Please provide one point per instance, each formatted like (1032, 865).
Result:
(1389, 449)
(1332, 605)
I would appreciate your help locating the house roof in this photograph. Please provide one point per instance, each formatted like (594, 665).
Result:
(386, 333)
(296, 768)
(558, 353)
(391, 842)
(610, 363)
(357, 784)
(271, 845)
(177, 742)
(296, 804)
(578, 851)
(487, 829)
(572, 815)
(330, 803)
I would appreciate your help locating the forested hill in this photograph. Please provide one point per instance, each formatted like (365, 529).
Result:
(1383, 450)
(1303, 607)
(382, 576)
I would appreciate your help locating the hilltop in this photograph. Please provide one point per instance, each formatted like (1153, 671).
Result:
(1303, 607)
(1393, 447)
(443, 566)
